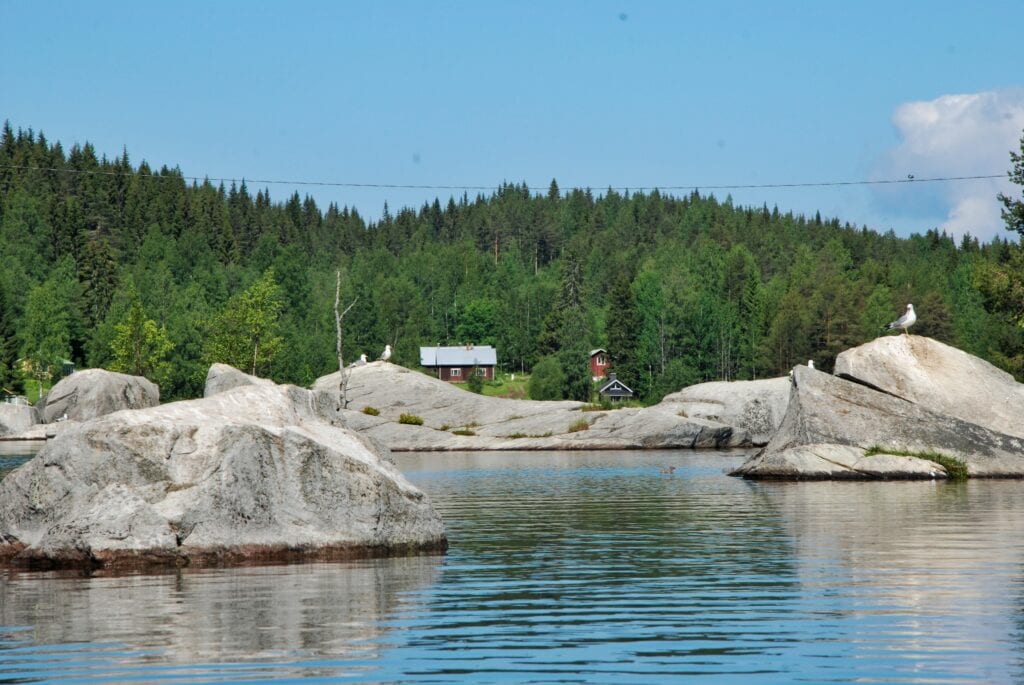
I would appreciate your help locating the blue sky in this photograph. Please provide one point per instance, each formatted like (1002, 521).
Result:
(589, 92)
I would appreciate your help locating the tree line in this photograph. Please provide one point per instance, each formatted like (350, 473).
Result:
(106, 263)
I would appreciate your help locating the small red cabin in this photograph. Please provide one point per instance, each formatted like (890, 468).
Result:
(457, 363)
(598, 363)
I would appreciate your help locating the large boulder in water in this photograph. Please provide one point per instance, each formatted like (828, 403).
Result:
(94, 392)
(940, 378)
(831, 422)
(249, 474)
(755, 406)
(17, 418)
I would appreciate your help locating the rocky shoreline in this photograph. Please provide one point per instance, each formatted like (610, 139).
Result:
(256, 472)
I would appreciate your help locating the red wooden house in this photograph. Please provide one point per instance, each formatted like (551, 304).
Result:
(457, 363)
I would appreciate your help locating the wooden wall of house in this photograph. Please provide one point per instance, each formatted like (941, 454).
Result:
(464, 372)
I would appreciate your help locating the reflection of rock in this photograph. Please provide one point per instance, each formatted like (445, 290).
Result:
(94, 392)
(927, 545)
(901, 397)
(757, 406)
(247, 474)
(17, 418)
(224, 615)
(503, 424)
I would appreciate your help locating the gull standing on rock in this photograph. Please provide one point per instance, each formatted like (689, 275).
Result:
(905, 321)
(386, 355)
(810, 363)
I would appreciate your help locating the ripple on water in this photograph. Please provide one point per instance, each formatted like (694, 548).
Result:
(572, 567)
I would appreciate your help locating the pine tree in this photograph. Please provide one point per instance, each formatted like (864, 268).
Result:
(624, 334)
(8, 345)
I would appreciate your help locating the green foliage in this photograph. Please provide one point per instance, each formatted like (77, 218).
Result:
(479, 322)
(371, 411)
(47, 324)
(955, 468)
(576, 379)
(139, 346)
(475, 382)
(463, 431)
(245, 333)
(410, 419)
(547, 380)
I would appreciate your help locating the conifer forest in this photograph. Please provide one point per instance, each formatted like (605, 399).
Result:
(105, 262)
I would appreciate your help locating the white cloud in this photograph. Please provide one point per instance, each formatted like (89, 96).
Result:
(956, 135)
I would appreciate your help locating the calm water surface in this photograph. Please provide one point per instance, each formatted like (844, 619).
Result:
(580, 567)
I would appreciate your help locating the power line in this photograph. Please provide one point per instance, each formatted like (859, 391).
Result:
(910, 178)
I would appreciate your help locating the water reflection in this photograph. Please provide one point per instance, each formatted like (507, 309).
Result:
(582, 567)
(267, 618)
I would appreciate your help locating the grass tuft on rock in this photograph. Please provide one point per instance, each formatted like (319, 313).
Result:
(371, 411)
(578, 426)
(956, 469)
(410, 419)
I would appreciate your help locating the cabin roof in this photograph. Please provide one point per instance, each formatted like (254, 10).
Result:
(460, 355)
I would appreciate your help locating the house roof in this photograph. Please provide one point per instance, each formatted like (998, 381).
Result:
(613, 385)
(479, 355)
(600, 349)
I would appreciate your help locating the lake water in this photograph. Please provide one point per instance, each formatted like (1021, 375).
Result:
(580, 567)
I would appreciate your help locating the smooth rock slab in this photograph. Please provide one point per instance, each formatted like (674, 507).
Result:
(758, 407)
(17, 418)
(832, 415)
(503, 424)
(940, 378)
(91, 393)
(250, 474)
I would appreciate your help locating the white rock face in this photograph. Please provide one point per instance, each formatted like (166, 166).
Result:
(17, 418)
(248, 474)
(940, 378)
(831, 422)
(222, 377)
(756, 406)
(94, 392)
(494, 423)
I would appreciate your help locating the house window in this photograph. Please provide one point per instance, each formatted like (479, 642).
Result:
(456, 372)
(600, 360)
(481, 372)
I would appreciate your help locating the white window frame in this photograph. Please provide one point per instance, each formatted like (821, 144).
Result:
(455, 371)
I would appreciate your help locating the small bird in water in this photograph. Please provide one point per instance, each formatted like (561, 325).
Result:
(810, 363)
(386, 354)
(905, 321)
(668, 469)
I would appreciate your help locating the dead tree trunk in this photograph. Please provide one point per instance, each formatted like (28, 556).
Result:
(339, 316)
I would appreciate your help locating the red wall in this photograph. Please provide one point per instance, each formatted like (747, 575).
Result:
(446, 373)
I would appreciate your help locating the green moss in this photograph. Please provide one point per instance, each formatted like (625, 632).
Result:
(372, 411)
(955, 468)
(410, 419)
(463, 431)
